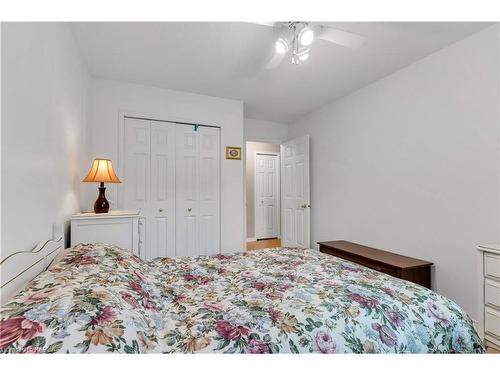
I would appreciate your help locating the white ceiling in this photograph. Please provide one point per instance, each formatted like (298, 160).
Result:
(226, 60)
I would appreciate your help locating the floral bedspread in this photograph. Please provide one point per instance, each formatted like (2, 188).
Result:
(100, 298)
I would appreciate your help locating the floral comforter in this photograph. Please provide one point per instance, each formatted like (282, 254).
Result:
(100, 298)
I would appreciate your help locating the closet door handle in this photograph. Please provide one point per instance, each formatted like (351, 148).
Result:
(189, 209)
(160, 210)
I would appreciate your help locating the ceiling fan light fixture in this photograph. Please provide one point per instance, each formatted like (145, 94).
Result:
(281, 46)
(304, 56)
(300, 56)
(297, 37)
(306, 36)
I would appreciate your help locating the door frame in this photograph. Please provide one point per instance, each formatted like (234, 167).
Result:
(278, 184)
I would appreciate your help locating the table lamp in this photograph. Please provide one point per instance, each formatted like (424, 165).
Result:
(101, 171)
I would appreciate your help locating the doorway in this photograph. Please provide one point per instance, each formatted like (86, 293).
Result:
(294, 206)
(263, 170)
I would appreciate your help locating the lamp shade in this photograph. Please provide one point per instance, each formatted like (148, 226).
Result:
(102, 171)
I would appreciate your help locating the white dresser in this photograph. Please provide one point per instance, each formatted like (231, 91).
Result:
(120, 228)
(491, 294)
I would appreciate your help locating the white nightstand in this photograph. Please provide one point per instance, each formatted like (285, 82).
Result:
(120, 228)
(490, 281)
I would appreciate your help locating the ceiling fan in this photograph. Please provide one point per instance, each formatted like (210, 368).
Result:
(297, 37)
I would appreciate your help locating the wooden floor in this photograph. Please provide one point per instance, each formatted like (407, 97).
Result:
(262, 244)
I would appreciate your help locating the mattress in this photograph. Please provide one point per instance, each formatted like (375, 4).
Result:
(99, 298)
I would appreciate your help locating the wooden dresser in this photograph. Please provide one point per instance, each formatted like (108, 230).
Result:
(406, 268)
(491, 294)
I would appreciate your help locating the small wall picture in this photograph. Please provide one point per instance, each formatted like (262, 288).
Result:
(233, 153)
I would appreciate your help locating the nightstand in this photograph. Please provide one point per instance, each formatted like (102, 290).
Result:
(120, 228)
(490, 282)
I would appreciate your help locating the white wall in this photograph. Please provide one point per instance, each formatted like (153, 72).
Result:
(44, 133)
(111, 98)
(265, 131)
(411, 164)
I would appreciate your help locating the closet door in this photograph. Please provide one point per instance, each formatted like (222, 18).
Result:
(197, 191)
(172, 174)
(162, 218)
(135, 189)
(209, 197)
(187, 191)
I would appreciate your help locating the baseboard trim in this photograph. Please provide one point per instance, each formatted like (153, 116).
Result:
(251, 239)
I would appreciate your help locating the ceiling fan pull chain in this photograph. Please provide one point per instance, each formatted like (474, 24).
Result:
(295, 46)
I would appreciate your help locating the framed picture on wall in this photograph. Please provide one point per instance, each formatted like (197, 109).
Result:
(233, 153)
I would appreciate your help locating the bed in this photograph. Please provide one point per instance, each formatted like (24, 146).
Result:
(99, 298)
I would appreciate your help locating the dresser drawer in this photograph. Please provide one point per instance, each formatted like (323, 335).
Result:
(492, 293)
(492, 322)
(383, 269)
(492, 265)
(364, 262)
(121, 231)
(415, 270)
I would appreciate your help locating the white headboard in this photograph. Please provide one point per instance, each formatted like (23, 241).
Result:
(19, 268)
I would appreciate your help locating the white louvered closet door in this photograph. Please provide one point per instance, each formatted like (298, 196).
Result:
(197, 191)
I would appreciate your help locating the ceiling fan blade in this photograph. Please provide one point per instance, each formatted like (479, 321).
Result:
(340, 37)
(271, 24)
(275, 60)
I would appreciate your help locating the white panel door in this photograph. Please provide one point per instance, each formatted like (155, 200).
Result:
(135, 186)
(197, 191)
(295, 192)
(209, 191)
(266, 196)
(187, 189)
(172, 174)
(162, 214)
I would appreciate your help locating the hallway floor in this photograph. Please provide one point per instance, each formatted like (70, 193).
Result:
(262, 244)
